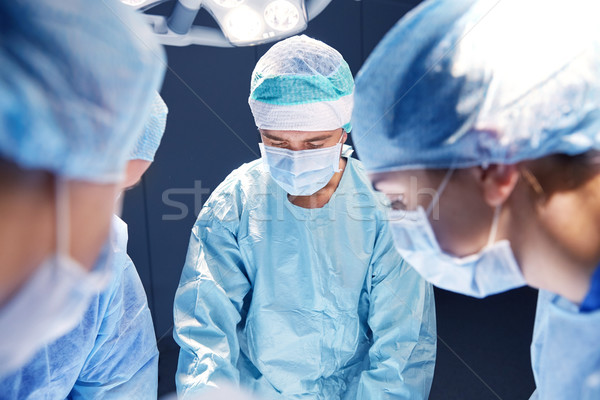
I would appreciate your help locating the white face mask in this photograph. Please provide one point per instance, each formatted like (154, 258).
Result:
(54, 299)
(302, 172)
(492, 270)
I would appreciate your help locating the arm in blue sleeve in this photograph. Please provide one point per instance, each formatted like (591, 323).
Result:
(207, 308)
(123, 363)
(402, 319)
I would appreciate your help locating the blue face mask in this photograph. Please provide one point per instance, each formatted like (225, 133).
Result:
(492, 270)
(302, 172)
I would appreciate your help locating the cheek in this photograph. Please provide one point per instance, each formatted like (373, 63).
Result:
(92, 207)
(461, 223)
(134, 171)
(574, 233)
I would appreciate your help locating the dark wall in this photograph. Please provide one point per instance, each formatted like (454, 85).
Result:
(483, 346)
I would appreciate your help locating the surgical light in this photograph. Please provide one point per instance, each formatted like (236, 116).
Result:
(282, 15)
(242, 22)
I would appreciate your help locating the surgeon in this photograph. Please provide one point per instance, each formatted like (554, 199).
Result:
(292, 287)
(76, 80)
(111, 353)
(481, 122)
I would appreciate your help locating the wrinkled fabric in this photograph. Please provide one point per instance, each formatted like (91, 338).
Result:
(298, 303)
(111, 354)
(77, 79)
(147, 144)
(462, 83)
(224, 392)
(564, 352)
(302, 84)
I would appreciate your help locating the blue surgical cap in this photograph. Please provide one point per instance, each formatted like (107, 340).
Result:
(302, 84)
(77, 79)
(464, 83)
(148, 142)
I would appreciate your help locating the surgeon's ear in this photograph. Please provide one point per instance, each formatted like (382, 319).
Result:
(497, 182)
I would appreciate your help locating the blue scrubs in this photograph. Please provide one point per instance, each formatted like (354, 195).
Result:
(111, 354)
(301, 303)
(565, 353)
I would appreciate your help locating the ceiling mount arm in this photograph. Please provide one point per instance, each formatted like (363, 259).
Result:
(183, 15)
(315, 7)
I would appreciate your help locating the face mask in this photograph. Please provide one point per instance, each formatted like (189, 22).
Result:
(302, 172)
(53, 301)
(492, 270)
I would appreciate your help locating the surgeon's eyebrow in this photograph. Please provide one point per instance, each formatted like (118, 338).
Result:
(316, 139)
(272, 137)
(278, 139)
(375, 181)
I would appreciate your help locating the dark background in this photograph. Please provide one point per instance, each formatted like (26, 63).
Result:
(483, 345)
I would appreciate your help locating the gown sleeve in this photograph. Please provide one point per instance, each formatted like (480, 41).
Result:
(207, 308)
(402, 320)
(123, 363)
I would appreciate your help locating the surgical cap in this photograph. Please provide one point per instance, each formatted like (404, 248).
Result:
(471, 83)
(302, 84)
(148, 142)
(77, 79)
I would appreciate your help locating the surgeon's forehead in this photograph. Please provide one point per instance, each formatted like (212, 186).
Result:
(306, 136)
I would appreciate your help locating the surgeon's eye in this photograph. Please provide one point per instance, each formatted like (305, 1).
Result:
(315, 145)
(397, 202)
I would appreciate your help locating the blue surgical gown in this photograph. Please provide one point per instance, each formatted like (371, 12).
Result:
(298, 303)
(111, 354)
(565, 351)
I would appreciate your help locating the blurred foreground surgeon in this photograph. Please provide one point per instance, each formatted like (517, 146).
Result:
(481, 122)
(111, 353)
(76, 82)
(292, 287)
